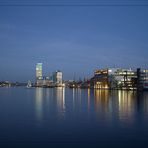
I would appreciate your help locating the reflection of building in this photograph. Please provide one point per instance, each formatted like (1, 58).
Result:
(126, 106)
(39, 103)
(38, 70)
(60, 97)
(101, 99)
(57, 77)
(103, 104)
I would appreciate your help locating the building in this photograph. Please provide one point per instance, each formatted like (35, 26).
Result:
(41, 81)
(104, 79)
(125, 79)
(100, 79)
(39, 71)
(142, 79)
(114, 78)
(44, 82)
(58, 77)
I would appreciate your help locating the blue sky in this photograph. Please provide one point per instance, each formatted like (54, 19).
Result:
(72, 39)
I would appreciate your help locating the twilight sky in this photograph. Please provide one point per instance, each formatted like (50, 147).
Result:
(72, 39)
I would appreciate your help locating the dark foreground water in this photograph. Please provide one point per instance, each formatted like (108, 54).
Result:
(59, 117)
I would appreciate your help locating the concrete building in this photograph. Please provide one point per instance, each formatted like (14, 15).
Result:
(114, 78)
(43, 82)
(100, 79)
(58, 78)
(126, 79)
(142, 78)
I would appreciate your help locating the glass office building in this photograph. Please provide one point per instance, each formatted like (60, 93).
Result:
(39, 70)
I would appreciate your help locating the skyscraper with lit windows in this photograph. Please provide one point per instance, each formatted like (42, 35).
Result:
(39, 70)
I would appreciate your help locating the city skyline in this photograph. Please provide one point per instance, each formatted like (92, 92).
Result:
(76, 40)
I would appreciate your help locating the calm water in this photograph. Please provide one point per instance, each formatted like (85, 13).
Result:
(59, 117)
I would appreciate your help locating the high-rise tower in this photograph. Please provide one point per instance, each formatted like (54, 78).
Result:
(39, 70)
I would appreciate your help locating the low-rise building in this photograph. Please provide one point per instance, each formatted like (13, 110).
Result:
(100, 79)
(114, 78)
(43, 82)
(126, 79)
(142, 77)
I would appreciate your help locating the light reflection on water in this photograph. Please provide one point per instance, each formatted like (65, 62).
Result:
(49, 100)
(73, 115)
(39, 103)
(60, 98)
(106, 105)
(126, 106)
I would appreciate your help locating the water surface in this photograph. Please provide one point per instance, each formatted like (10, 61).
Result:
(62, 117)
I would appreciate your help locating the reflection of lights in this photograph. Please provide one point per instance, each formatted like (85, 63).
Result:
(126, 105)
(88, 93)
(60, 92)
(80, 96)
(73, 96)
(64, 98)
(88, 98)
(101, 100)
(38, 102)
(144, 103)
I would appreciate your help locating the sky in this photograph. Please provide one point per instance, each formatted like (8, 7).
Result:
(74, 39)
